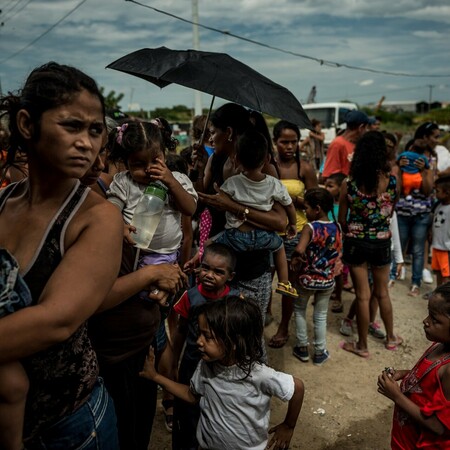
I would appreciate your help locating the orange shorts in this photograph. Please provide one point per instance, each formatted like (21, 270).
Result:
(440, 262)
(411, 181)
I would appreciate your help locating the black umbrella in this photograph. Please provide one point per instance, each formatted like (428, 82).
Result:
(217, 74)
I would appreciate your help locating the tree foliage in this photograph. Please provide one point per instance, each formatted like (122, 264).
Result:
(112, 99)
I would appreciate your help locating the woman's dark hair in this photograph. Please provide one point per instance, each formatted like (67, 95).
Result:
(260, 125)
(231, 115)
(278, 129)
(47, 87)
(425, 130)
(319, 197)
(237, 324)
(131, 137)
(251, 149)
(369, 161)
(282, 125)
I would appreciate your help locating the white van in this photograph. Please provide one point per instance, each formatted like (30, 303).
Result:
(331, 115)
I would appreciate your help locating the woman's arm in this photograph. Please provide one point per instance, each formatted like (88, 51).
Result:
(188, 237)
(166, 277)
(77, 287)
(274, 220)
(343, 207)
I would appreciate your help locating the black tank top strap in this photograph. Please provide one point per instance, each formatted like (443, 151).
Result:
(51, 249)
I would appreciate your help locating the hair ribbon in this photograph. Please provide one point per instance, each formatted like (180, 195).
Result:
(120, 131)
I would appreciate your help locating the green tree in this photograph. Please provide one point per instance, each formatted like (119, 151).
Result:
(112, 99)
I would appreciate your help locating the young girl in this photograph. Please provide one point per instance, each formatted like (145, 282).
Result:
(422, 413)
(140, 146)
(314, 259)
(368, 197)
(232, 385)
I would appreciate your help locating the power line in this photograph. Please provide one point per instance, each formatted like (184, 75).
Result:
(5, 19)
(322, 62)
(44, 33)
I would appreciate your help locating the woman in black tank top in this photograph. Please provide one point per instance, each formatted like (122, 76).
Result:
(67, 242)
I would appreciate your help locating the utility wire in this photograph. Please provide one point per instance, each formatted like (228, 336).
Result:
(322, 62)
(44, 33)
(5, 19)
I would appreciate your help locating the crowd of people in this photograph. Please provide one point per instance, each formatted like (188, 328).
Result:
(90, 324)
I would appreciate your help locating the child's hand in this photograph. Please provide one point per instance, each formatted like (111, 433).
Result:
(297, 261)
(281, 438)
(387, 386)
(291, 231)
(398, 271)
(127, 234)
(149, 371)
(159, 171)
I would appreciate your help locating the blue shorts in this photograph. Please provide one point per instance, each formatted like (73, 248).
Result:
(90, 427)
(248, 241)
(290, 244)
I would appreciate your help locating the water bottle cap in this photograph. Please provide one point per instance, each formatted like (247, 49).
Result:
(156, 189)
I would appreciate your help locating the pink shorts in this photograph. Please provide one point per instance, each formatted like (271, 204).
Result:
(440, 262)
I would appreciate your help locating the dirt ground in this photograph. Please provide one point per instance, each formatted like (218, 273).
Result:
(342, 409)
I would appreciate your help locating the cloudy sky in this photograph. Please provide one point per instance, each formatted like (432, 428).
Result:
(402, 36)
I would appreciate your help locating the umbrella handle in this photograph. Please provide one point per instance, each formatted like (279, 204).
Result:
(204, 129)
(207, 119)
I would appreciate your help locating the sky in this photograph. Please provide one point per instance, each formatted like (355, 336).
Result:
(401, 36)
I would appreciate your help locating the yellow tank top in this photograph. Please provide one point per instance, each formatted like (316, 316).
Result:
(296, 188)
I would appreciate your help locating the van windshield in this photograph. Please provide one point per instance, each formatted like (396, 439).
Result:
(324, 115)
(327, 115)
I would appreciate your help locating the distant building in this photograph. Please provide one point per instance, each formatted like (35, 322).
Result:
(408, 106)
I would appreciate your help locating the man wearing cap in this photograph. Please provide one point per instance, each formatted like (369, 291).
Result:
(340, 151)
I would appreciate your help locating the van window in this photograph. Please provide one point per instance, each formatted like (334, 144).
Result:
(324, 115)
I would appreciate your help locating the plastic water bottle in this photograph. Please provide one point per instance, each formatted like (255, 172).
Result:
(148, 213)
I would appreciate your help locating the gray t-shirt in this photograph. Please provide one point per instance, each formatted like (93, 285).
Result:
(235, 412)
(125, 193)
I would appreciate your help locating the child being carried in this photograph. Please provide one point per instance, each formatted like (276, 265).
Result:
(257, 190)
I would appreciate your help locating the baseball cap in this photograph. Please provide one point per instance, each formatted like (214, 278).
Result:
(372, 120)
(356, 117)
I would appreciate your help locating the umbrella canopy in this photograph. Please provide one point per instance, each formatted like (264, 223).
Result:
(217, 74)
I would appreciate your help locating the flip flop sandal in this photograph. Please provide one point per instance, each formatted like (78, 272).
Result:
(352, 348)
(277, 342)
(337, 306)
(286, 289)
(393, 345)
(168, 418)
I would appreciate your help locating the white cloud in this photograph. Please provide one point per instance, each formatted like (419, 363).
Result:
(384, 35)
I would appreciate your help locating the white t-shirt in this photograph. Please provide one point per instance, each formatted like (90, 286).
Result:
(235, 412)
(260, 195)
(443, 157)
(125, 193)
(441, 228)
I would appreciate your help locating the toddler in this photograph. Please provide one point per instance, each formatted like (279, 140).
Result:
(140, 146)
(440, 244)
(411, 174)
(255, 189)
